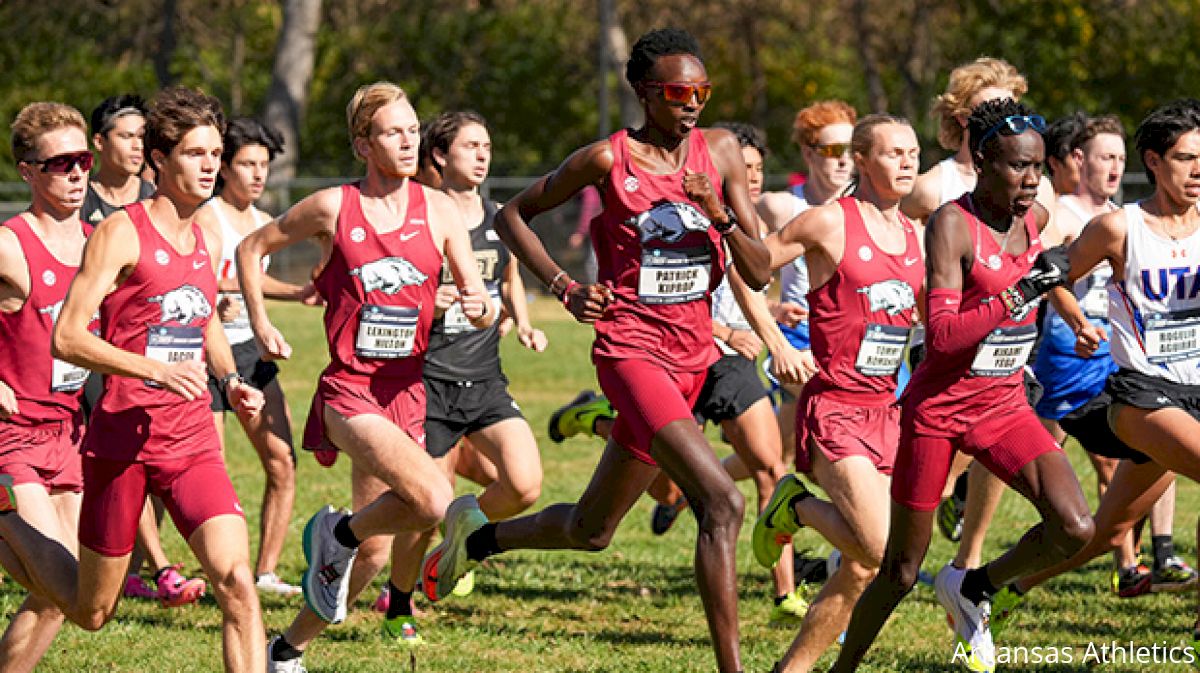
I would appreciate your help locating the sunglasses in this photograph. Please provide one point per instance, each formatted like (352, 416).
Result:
(1016, 124)
(65, 163)
(831, 150)
(682, 92)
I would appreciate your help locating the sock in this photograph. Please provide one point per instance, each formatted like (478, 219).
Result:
(780, 599)
(482, 543)
(282, 651)
(976, 586)
(1164, 548)
(343, 534)
(960, 487)
(399, 602)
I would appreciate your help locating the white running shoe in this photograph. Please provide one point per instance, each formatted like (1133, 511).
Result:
(269, 583)
(327, 578)
(290, 666)
(971, 621)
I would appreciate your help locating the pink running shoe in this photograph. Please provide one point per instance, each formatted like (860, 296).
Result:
(136, 587)
(383, 602)
(175, 590)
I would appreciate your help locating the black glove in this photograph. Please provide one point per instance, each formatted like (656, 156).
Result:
(1050, 270)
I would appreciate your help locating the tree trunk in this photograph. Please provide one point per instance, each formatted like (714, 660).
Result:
(291, 76)
(166, 46)
(614, 48)
(876, 95)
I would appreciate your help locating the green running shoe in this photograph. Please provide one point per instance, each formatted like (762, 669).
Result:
(464, 586)
(579, 416)
(790, 611)
(777, 522)
(1004, 604)
(402, 630)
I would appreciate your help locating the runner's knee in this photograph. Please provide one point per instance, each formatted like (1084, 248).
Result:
(722, 509)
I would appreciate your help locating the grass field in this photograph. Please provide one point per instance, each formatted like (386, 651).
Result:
(631, 608)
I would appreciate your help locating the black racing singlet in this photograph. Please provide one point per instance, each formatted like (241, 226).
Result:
(457, 350)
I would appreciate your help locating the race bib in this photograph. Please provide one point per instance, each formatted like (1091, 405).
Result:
(241, 321)
(174, 344)
(674, 276)
(454, 321)
(386, 332)
(1095, 301)
(1004, 351)
(66, 377)
(1171, 339)
(882, 350)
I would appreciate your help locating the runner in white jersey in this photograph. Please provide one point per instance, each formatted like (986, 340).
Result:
(245, 165)
(1153, 247)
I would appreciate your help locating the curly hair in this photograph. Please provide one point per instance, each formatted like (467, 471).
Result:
(655, 44)
(987, 116)
(966, 81)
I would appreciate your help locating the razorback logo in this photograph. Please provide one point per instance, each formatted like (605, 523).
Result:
(893, 296)
(669, 221)
(388, 275)
(184, 304)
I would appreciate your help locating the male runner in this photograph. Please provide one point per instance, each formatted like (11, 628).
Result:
(149, 272)
(987, 270)
(383, 241)
(40, 420)
(865, 261)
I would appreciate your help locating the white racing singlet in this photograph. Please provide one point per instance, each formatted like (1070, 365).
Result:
(793, 277)
(238, 330)
(1155, 311)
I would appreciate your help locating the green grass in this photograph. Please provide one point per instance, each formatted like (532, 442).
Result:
(631, 608)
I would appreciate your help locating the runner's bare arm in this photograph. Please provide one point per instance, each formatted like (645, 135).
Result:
(802, 234)
(586, 166)
(110, 253)
(14, 272)
(460, 258)
(745, 243)
(775, 209)
(315, 216)
(512, 294)
(788, 365)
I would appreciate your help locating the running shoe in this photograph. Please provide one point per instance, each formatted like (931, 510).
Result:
(8, 499)
(402, 630)
(290, 666)
(327, 578)
(790, 611)
(950, 518)
(448, 561)
(663, 516)
(777, 522)
(269, 583)
(970, 621)
(809, 569)
(579, 416)
(1134, 581)
(136, 587)
(1004, 605)
(1174, 575)
(464, 586)
(1115, 578)
(383, 601)
(175, 590)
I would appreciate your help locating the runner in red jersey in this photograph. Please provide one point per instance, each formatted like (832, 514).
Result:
(152, 432)
(383, 241)
(865, 263)
(987, 270)
(660, 252)
(40, 421)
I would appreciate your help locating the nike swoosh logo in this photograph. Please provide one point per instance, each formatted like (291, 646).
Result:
(1030, 257)
(198, 265)
(910, 262)
(409, 235)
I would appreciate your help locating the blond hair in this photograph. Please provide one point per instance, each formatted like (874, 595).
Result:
(37, 119)
(817, 116)
(966, 81)
(365, 103)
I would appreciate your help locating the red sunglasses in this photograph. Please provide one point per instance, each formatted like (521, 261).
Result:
(682, 92)
(65, 163)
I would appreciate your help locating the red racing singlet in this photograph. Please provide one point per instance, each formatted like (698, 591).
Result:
(47, 389)
(379, 292)
(655, 247)
(861, 317)
(161, 311)
(951, 391)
